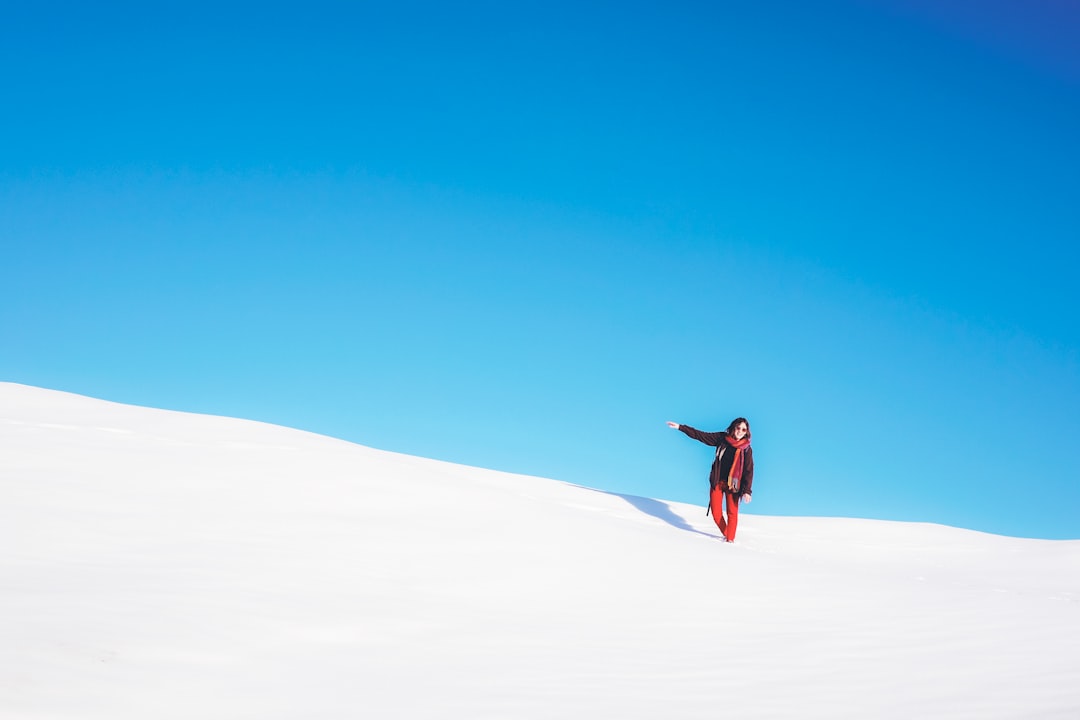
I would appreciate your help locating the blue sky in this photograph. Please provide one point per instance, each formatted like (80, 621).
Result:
(524, 235)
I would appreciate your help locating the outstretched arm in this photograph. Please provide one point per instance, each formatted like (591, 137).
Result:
(705, 437)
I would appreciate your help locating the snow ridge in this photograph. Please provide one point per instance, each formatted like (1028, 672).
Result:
(169, 565)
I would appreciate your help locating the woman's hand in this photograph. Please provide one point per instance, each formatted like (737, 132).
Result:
(746, 499)
(673, 425)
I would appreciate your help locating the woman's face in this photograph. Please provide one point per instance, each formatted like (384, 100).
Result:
(740, 431)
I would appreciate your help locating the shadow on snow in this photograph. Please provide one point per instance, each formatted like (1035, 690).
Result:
(657, 509)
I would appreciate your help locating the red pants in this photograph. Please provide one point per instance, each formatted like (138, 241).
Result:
(718, 499)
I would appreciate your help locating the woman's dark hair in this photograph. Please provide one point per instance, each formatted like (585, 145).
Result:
(735, 423)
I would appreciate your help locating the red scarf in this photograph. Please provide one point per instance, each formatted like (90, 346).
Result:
(735, 475)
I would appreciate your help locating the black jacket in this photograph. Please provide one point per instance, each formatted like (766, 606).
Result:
(724, 457)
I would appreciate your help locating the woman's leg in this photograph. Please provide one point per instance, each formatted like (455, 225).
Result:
(732, 501)
(716, 502)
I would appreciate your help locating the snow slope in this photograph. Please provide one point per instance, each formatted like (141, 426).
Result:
(156, 564)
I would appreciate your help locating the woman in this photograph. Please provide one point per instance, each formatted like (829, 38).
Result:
(732, 473)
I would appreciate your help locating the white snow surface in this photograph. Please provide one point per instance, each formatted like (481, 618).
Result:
(158, 564)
